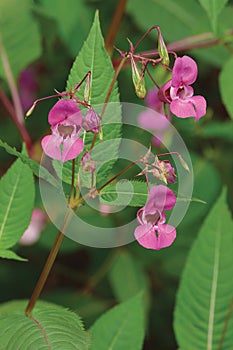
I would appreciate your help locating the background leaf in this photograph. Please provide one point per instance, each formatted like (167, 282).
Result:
(17, 200)
(16, 22)
(73, 20)
(37, 168)
(126, 276)
(225, 82)
(213, 9)
(51, 327)
(205, 292)
(120, 328)
(132, 193)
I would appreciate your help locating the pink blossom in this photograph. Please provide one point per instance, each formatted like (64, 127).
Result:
(65, 119)
(153, 119)
(153, 233)
(178, 92)
(37, 224)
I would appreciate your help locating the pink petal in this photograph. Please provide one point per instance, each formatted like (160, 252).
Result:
(193, 107)
(62, 110)
(51, 145)
(184, 71)
(71, 149)
(166, 235)
(152, 120)
(153, 101)
(160, 198)
(146, 236)
(37, 224)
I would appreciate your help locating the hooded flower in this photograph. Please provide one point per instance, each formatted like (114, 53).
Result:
(65, 119)
(153, 233)
(178, 92)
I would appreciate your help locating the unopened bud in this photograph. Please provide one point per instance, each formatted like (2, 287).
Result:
(88, 164)
(162, 49)
(91, 121)
(138, 80)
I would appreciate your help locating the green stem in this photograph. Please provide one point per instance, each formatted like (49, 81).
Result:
(117, 72)
(48, 265)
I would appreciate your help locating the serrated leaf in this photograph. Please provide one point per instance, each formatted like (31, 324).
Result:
(213, 9)
(15, 23)
(205, 292)
(17, 199)
(37, 169)
(8, 254)
(93, 57)
(122, 327)
(51, 327)
(126, 272)
(73, 20)
(131, 193)
(225, 82)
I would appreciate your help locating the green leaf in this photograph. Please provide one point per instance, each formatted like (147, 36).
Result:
(8, 254)
(37, 169)
(225, 82)
(94, 58)
(213, 9)
(218, 130)
(73, 20)
(120, 328)
(16, 22)
(205, 292)
(177, 19)
(17, 199)
(126, 272)
(131, 193)
(50, 327)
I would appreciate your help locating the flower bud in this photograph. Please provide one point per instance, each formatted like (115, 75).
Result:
(162, 49)
(87, 163)
(138, 80)
(91, 121)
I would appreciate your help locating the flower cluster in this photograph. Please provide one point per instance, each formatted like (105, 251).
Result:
(153, 233)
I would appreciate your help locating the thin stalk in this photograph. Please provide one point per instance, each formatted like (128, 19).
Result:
(48, 265)
(12, 85)
(117, 72)
(21, 128)
(114, 26)
(227, 320)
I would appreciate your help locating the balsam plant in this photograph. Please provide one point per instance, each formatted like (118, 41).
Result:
(87, 127)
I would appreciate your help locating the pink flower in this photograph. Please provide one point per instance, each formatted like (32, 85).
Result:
(65, 119)
(155, 119)
(178, 92)
(153, 233)
(37, 224)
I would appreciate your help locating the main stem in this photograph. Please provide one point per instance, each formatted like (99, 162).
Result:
(48, 265)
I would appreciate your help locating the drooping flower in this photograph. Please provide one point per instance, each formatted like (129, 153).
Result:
(65, 119)
(37, 224)
(178, 92)
(153, 233)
